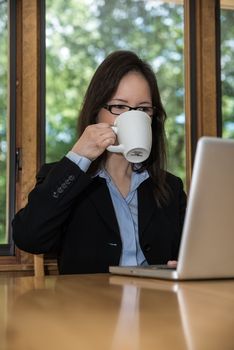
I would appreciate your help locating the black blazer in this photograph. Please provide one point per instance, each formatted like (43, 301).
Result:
(71, 214)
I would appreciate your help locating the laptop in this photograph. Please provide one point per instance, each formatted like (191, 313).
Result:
(207, 243)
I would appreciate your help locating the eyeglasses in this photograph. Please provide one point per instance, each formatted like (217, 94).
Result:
(119, 109)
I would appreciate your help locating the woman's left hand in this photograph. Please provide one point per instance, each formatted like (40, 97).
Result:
(172, 263)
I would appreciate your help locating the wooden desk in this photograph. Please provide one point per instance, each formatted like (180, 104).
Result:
(115, 313)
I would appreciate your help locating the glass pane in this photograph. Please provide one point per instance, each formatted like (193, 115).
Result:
(80, 34)
(227, 69)
(3, 116)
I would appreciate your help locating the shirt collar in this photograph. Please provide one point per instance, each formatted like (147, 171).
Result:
(136, 180)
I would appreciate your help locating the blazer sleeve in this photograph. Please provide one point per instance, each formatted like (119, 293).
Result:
(37, 228)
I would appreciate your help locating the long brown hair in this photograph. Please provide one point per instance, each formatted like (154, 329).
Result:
(101, 89)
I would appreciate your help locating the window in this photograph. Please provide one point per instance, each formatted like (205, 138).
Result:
(7, 124)
(75, 45)
(3, 117)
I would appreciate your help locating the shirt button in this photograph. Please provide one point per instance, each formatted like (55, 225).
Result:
(147, 248)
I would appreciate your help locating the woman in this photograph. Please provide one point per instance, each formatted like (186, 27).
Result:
(93, 208)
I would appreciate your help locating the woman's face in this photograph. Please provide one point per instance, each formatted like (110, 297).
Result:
(133, 90)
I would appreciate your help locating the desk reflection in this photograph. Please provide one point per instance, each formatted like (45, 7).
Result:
(126, 333)
(115, 313)
(152, 311)
(190, 315)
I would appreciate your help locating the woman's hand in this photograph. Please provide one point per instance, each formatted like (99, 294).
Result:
(94, 140)
(172, 263)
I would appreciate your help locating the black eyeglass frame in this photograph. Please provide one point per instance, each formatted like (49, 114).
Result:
(139, 108)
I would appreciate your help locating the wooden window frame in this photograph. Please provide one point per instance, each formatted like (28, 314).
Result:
(30, 110)
(202, 74)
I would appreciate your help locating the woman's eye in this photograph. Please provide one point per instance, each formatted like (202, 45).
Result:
(120, 106)
(144, 109)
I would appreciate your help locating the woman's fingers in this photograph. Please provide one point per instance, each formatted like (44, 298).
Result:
(172, 263)
(94, 140)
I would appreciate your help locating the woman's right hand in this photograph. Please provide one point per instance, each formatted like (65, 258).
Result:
(94, 140)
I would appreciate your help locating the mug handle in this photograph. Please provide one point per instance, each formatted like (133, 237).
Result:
(117, 148)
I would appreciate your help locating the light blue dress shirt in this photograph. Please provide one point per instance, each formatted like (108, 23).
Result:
(126, 211)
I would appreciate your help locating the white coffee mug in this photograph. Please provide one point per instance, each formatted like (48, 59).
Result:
(134, 133)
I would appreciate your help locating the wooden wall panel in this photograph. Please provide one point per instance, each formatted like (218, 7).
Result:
(28, 100)
(206, 69)
(29, 97)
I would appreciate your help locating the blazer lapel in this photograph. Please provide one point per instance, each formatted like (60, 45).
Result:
(102, 200)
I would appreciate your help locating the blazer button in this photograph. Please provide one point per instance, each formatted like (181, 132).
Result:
(147, 248)
(60, 190)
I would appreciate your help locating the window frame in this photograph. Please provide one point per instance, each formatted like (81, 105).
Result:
(8, 248)
(27, 96)
(202, 75)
